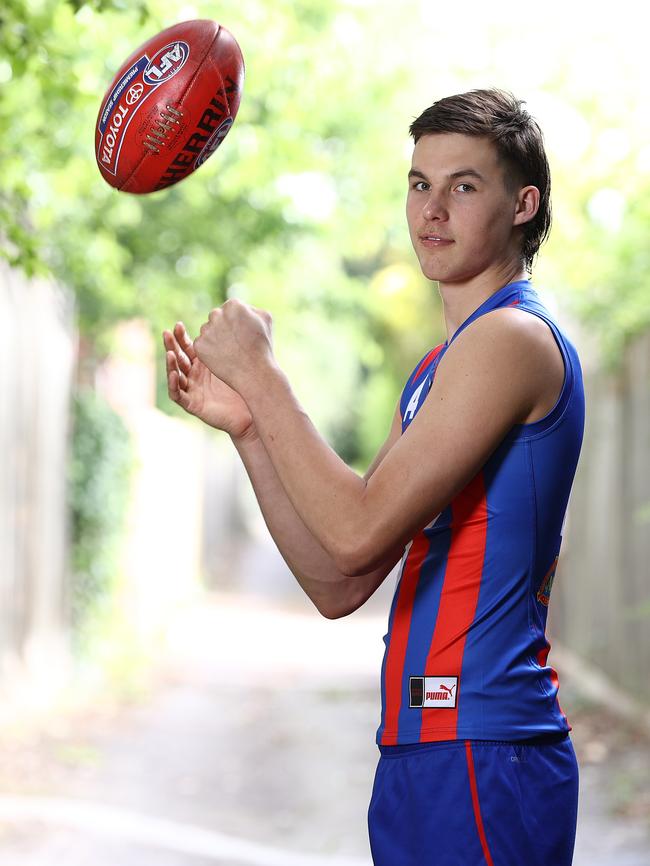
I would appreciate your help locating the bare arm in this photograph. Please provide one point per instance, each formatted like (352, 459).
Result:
(199, 392)
(489, 378)
(333, 593)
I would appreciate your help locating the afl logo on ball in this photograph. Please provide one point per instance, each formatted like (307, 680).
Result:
(166, 62)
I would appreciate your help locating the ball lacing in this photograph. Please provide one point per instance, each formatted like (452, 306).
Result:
(159, 132)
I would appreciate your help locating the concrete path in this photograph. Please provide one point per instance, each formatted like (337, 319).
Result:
(255, 745)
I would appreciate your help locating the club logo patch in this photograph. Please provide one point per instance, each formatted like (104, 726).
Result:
(433, 692)
(544, 591)
(214, 141)
(414, 402)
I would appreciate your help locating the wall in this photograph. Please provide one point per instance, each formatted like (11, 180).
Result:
(37, 356)
(601, 597)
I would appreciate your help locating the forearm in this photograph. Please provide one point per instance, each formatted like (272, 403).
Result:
(332, 592)
(326, 494)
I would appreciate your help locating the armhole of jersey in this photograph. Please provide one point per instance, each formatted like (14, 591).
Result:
(542, 425)
(417, 369)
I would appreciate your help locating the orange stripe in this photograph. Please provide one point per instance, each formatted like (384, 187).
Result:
(458, 601)
(475, 804)
(399, 636)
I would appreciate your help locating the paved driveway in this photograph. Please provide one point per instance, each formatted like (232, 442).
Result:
(255, 745)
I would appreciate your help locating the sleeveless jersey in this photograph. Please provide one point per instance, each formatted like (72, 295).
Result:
(466, 649)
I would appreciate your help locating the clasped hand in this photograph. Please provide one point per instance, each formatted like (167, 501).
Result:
(236, 342)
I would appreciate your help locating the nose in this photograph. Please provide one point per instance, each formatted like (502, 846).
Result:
(434, 207)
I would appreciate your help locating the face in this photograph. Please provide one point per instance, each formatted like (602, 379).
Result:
(461, 218)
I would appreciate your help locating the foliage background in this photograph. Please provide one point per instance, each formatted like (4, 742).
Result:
(301, 211)
(100, 469)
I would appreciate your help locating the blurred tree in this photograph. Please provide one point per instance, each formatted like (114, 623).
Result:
(289, 214)
(599, 245)
(301, 211)
(101, 463)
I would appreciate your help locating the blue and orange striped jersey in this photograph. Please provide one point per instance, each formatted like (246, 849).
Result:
(466, 648)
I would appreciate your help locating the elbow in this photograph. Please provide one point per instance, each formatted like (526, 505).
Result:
(347, 562)
(334, 608)
(361, 560)
(364, 550)
(353, 541)
(353, 561)
(334, 612)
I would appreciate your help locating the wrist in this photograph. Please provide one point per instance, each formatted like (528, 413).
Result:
(267, 379)
(246, 437)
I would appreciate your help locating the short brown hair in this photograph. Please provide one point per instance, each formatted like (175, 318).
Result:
(498, 116)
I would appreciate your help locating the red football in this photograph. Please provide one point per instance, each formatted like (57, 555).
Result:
(169, 107)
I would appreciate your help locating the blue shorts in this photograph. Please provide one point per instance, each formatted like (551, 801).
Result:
(475, 803)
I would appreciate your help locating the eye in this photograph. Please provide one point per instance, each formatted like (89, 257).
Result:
(469, 186)
(420, 185)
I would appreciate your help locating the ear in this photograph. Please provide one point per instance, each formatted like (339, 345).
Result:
(527, 205)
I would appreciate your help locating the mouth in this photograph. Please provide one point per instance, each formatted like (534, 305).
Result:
(435, 240)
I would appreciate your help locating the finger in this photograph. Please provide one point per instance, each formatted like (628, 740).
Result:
(184, 361)
(178, 395)
(173, 376)
(184, 339)
(170, 342)
(268, 318)
(172, 367)
(172, 385)
(171, 362)
(173, 345)
(177, 388)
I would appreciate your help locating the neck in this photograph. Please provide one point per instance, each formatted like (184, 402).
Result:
(460, 299)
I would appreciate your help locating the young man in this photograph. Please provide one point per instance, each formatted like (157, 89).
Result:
(469, 491)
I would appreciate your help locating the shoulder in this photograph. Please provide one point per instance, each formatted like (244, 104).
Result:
(507, 359)
(424, 361)
(507, 336)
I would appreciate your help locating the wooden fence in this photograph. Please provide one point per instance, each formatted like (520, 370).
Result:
(36, 365)
(601, 598)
